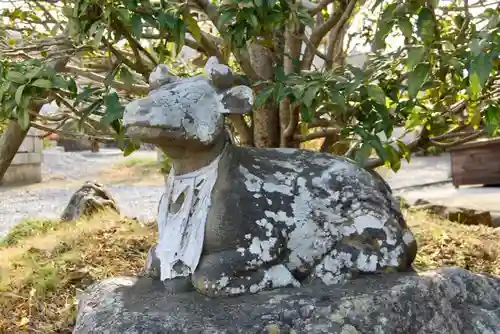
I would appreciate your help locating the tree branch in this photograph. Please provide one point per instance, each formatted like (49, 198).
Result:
(335, 22)
(457, 142)
(319, 6)
(133, 89)
(317, 134)
(71, 135)
(421, 142)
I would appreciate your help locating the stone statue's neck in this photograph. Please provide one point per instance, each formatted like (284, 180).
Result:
(198, 160)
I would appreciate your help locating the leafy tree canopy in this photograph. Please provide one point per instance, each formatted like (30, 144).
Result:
(92, 56)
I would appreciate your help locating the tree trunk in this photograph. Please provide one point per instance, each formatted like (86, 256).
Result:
(10, 141)
(14, 135)
(288, 118)
(266, 119)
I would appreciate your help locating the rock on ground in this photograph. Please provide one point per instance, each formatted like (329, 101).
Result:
(448, 300)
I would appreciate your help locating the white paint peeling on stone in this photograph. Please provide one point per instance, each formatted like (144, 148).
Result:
(277, 276)
(252, 182)
(408, 238)
(223, 282)
(367, 221)
(279, 188)
(367, 263)
(296, 168)
(189, 106)
(262, 248)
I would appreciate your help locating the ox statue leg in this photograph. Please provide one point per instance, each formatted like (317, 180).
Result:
(152, 270)
(231, 273)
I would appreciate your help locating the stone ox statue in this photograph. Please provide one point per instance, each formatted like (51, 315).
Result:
(236, 220)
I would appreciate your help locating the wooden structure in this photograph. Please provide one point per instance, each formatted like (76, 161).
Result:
(476, 163)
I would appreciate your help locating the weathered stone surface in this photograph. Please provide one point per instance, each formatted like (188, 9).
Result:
(273, 217)
(456, 214)
(448, 300)
(89, 199)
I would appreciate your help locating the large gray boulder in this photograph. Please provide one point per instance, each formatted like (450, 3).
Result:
(448, 300)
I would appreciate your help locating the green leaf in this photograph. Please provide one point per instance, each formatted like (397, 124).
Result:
(130, 4)
(417, 78)
(404, 151)
(87, 92)
(136, 23)
(166, 20)
(179, 35)
(16, 77)
(393, 157)
(225, 17)
(130, 148)
(482, 65)
(474, 85)
(19, 94)
(376, 94)
(126, 76)
(124, 14)
(363, 153)
(93, 28)
(42, 83)
(379, 148)
(114, 109)
(476, 46)
(34, 73)
(426, 25)
(305, 113)
(72, 86)
(310, 94)
(254, 22)
(98, 37)
(193, 27)
(383, 31)
(60, 83)
(405, 26)
(415, 55)
(87, 111)
(263, 96)
(474, 115)
(339, 99)
(23, 118)
(384, 26)
(492, 119)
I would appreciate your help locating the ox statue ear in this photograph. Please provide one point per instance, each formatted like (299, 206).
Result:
(220, 75)
(237, 100)
(160, 76)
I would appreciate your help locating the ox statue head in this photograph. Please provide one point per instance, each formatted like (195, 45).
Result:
(186, 112)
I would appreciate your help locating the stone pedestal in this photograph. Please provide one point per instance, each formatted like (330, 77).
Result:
(26, 167)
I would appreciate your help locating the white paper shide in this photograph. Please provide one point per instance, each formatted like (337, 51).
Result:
(182, 231)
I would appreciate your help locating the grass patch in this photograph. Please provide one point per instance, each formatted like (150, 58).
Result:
(41, 274)
(49, 263)
(28, 228)
(444, 243)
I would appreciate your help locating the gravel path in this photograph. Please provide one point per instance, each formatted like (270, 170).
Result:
(49, 202)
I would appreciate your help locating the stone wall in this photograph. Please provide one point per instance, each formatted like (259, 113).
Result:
(26, 167)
